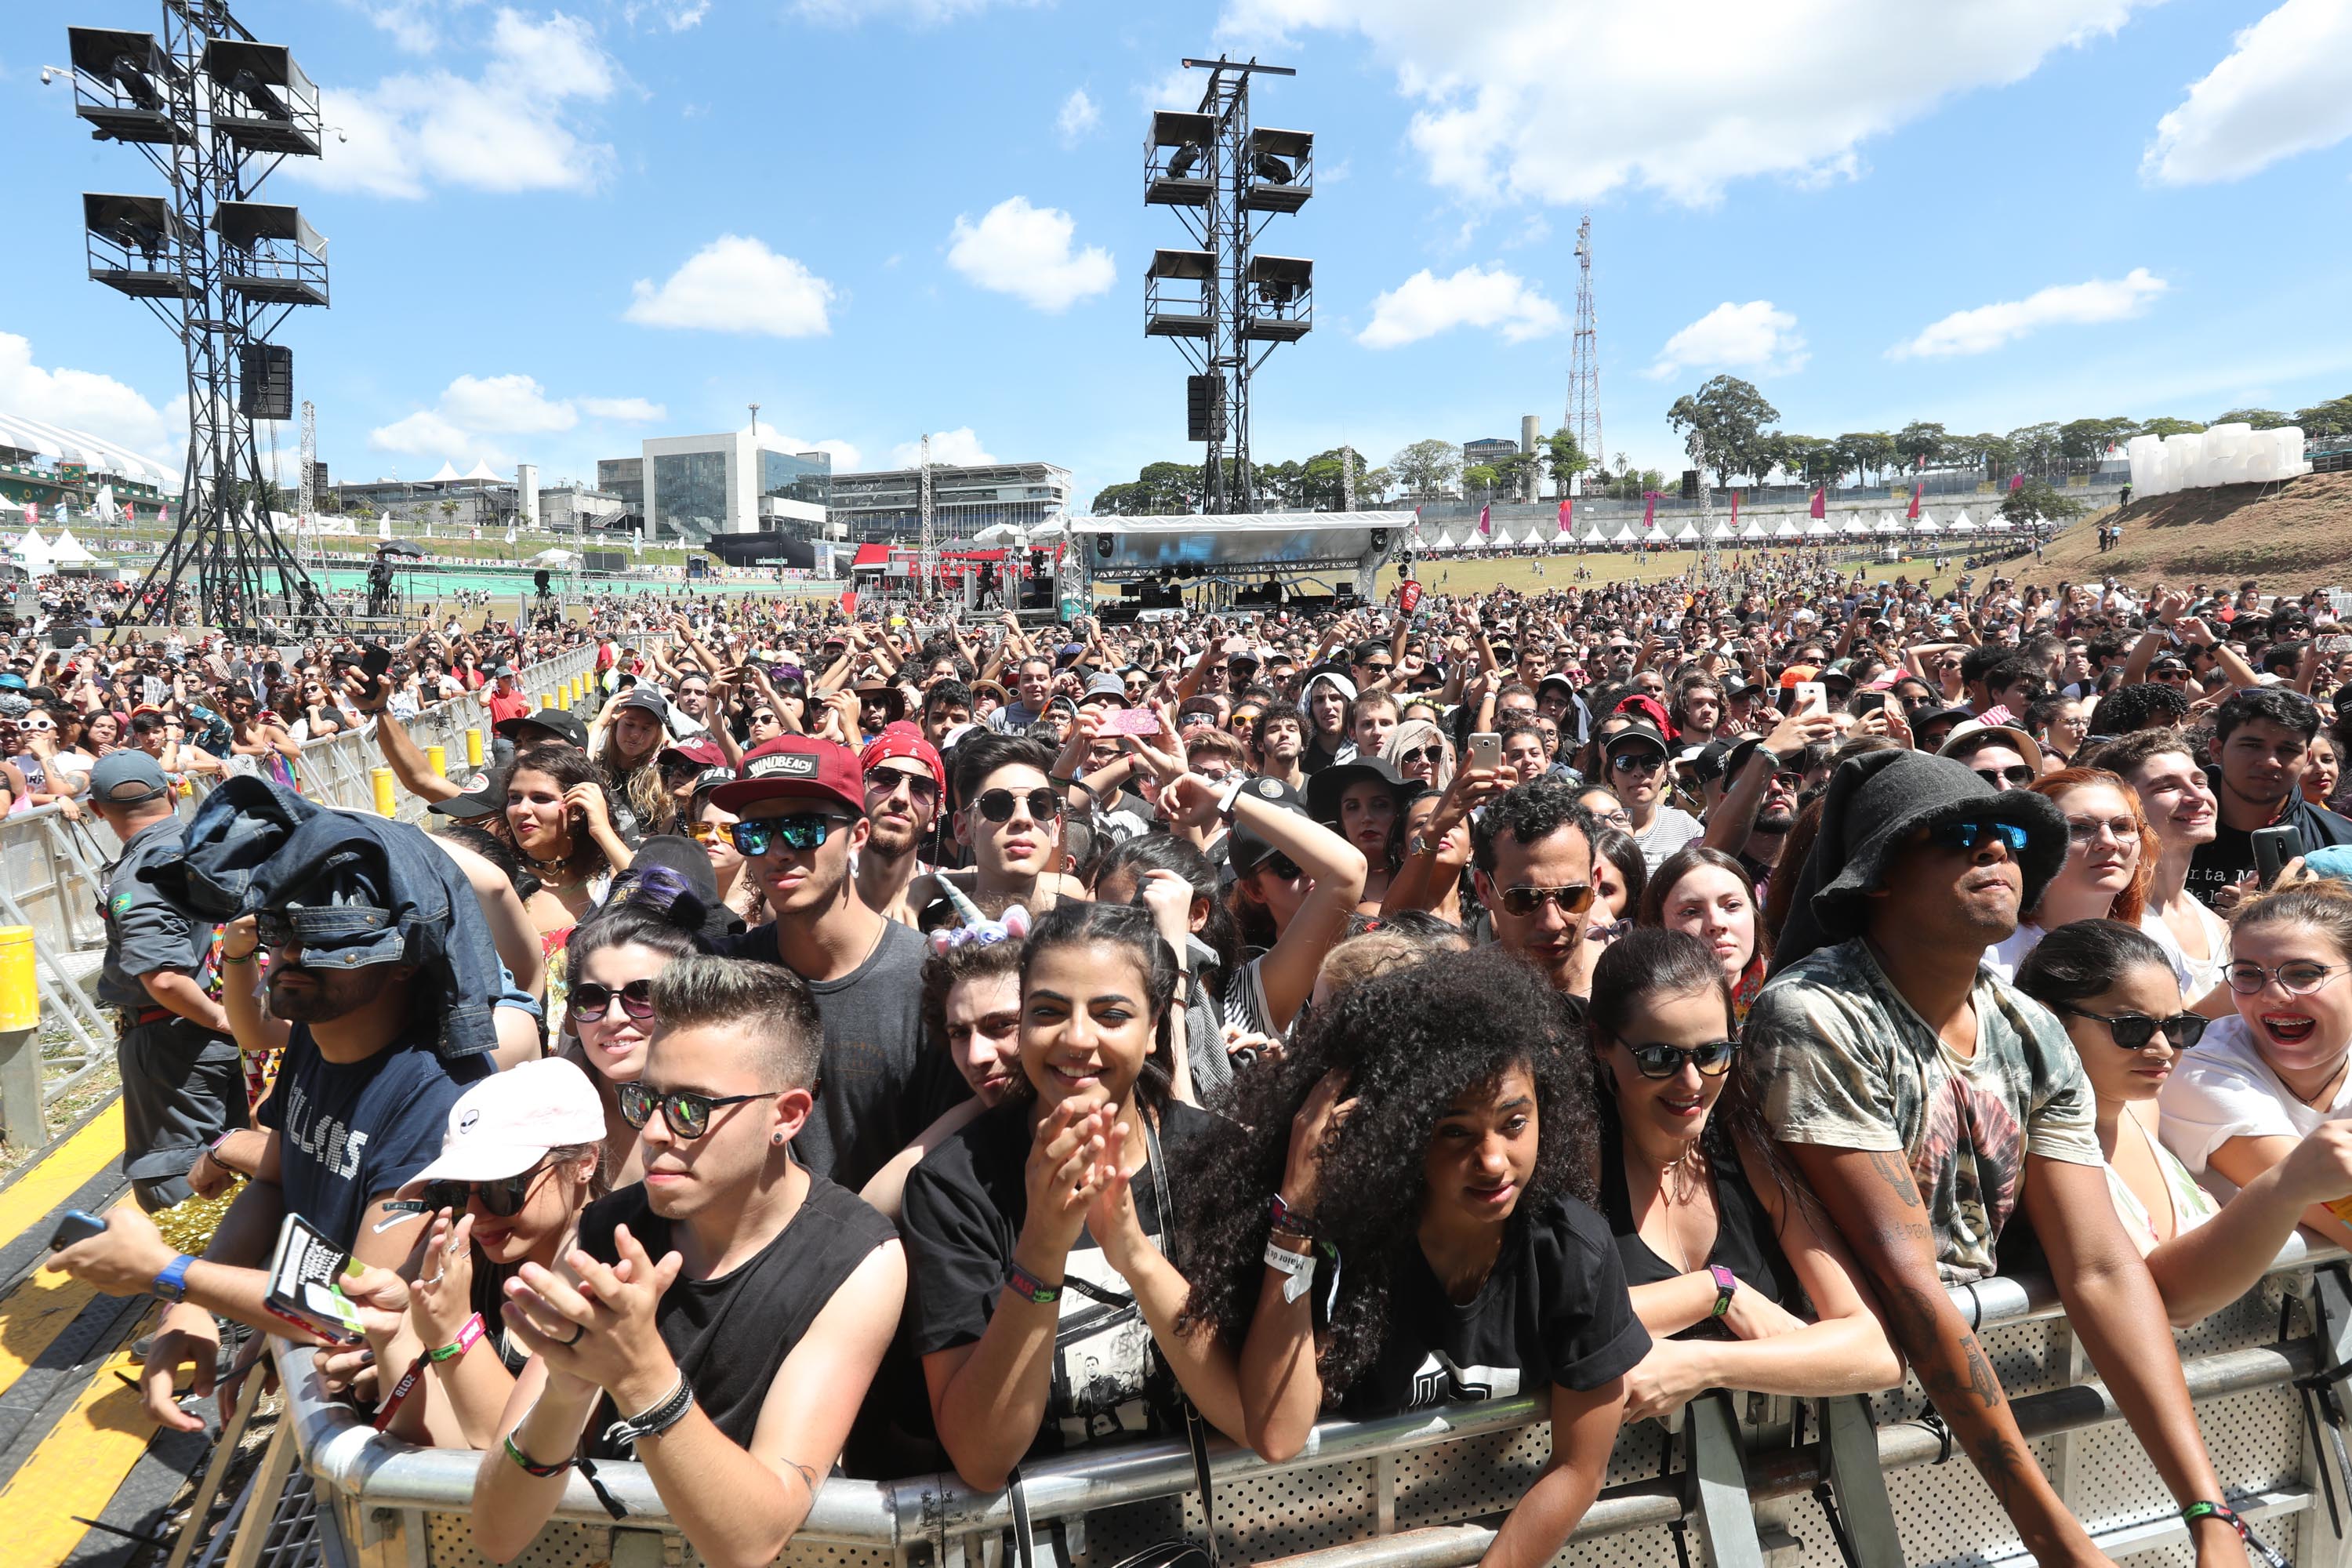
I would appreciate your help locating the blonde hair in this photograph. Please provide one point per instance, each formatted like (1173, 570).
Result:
(1366, 957)
(2324, 904)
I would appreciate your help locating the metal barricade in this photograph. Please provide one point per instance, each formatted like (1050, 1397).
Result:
(1425, 1488)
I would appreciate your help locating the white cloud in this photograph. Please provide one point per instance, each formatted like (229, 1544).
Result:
(410, 23)
(511, 128)
(2285, 87)
(1024, 251)
(83, 400)
(845, 456)
(1080, 114)
(505, 403)
(424, 432)
(627, 410)
(1564, 100)
(1424, 305)
(1753, 337)
(957, 448)
(917, 13)
(2078, 304)
(736, 284)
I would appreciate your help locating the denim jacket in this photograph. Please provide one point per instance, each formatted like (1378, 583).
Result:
(253, 844)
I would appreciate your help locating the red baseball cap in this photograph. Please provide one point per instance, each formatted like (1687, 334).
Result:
(702, 753)
(796, 766)
(902, 739)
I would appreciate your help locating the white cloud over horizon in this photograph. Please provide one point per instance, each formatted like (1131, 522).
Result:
(1079, 116)
(959, 448)
(1754, 337)
(2284, 88)
(1026, 251)
(736, 284)
(472, 408)
(1424, 305)
(1988, 327)
(87, 401)
(1671, 98)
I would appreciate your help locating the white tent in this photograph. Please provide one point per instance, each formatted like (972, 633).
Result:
(1817, 528)
(1683, 533)
(1854, 526)
(1756, 529)
(1996, 523)
(1960, 523)
(1540, 533)
(1784, 528)
(994, 533)
(68, 551)
(1887, 523)
(448, 474)
(481, 471)
(555, 556)
(1624, 534)
(32, 551)
(1926, 523)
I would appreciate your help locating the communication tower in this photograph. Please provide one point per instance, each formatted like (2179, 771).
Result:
(1584, 366)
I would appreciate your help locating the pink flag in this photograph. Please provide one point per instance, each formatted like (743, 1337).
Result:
(1914, 512)
(1567, 512)
(1485, 520)
(2016, 481)
(1821, 502)
(1735, 508)
(1650, 509)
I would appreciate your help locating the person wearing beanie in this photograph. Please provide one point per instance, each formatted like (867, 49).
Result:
(1908, 1084)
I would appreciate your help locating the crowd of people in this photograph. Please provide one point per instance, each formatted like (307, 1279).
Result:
(904, 1043)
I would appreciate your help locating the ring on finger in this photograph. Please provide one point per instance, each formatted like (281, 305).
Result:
(579, 1332)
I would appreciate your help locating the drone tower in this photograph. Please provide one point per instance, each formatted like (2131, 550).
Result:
(214, 111)
(1225, 307)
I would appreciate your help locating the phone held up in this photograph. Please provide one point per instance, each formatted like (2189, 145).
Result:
(1485, 750)
(2274, 847)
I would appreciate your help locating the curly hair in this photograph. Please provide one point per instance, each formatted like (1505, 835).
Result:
(1527, 812)
(2142, 705)
(1411, 1041)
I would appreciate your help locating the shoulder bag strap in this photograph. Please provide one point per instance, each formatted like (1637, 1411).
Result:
(1196, 1431)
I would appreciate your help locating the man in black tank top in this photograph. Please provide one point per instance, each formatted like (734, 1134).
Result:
(719, 1322)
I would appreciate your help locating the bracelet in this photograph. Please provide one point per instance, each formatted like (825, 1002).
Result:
(2229, 1516)
(213, 1148)
(523, 1461)
(469, 1334)
(664, 1413)
(1727, 1285)
(1288, 1220)
(228, 957)
(1019, 1281)
(1297, 1269)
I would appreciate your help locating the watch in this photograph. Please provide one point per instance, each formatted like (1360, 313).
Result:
(1727, 1285)
(1419, 845)
(171, 1285)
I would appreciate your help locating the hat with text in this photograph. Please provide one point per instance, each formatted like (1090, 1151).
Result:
(796, 766)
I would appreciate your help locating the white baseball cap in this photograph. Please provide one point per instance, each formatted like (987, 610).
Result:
(506, 1124)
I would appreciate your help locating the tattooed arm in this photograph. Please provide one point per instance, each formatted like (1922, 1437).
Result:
(1873, 1200)
(2114, 1305)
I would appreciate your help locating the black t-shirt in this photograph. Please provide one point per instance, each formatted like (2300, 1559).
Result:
(731, 1335)
(1554, 1310)
(877, 1085)
(963, 1209)
(2221, 864)
(355, 1131)
(1744, 1238)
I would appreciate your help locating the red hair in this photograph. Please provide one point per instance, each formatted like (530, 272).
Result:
(2132, 903)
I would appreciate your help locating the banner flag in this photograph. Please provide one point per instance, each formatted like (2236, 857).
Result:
(1821, 502)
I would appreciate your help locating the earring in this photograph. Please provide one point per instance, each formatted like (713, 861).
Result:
(778, 1140)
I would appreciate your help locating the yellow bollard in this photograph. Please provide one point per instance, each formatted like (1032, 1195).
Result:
(547, 700)
(20, 998)
(474, 747)
(438, 757)
(386, 802)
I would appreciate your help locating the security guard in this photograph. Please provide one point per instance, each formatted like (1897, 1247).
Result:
(182, 1084)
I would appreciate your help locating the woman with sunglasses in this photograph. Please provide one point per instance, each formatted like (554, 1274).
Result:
(1723, 1254)
(1405, 1223)
(2112, 985)
(1010, 820)
(523, 1156)
(707, 824)
(1421, 753)
(1045, 1283)
(2279, 1069)
(608, 1017)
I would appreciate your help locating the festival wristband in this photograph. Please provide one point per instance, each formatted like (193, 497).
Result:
(469, 1334)
(402, 1389)
(1288, 1220)
(1296, 1267)
(523, 1461)
(1727, 1285)
(2229, 1516)
(1019, 1281)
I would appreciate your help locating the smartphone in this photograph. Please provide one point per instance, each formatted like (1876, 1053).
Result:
(376, 660)
(1485, 750)
(79, 1224)
(1813, 697)
(1869, 701)
(1130, 722)
(2274, 847)
(2335, 642)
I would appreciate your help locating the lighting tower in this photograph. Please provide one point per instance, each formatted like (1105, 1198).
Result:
(1224, 307)
(216, 113)
(1584, 367)
(927, 545)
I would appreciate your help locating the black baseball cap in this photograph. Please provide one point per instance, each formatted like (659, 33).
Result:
(484, 795)
(1245, 849)
(559, 725)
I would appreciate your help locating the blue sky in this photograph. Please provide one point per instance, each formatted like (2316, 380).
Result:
(557, 231)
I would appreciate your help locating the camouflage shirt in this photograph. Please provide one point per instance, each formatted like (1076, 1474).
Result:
(1850, 1066)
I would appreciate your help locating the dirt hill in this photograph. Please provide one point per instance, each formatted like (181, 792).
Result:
(2289, 537)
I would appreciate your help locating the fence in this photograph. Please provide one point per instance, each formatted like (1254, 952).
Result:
(1876, 1485)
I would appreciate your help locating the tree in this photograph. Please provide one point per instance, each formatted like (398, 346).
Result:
(1323, 481)
(1997, 453)
(1866, 453)
(1724, 427)
(2260, 419)
(2037, 448)
(1808, 459)
(2037, 498)
(2085, 441)
(2332, 418)
(1160, 489)
(1564, 459)
(1921, 443)
(2169, 426)
(1480, 478)
(1426, 467)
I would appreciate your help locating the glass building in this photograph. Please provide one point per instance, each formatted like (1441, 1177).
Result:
(699, 489)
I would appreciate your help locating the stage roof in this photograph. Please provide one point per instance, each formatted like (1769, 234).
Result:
(1237, 544)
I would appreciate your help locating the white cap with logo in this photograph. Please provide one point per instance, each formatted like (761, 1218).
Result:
(506, 1124)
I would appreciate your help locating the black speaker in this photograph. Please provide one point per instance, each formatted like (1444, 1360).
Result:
(1379, 539)
(1690, 484)
(264, 382)
(539, 581)
(1204, 407)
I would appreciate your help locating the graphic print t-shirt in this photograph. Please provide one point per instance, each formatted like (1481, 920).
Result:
(1851, 1066)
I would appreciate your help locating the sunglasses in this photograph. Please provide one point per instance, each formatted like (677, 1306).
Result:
(802, 830)
(1382, 667)
(703, 832)
(1637, 761)
(1969, 835)
(2018, 777)
(997, 805)
(1282, 866)
(886, 782)
(1422, 754)
(2297, 977)
(687, 1114)
(2133, 1031)
(591, 1002)
(1712, 1059)
(763, 717)
(1573, 899)
(681, 768)
(501, 1199)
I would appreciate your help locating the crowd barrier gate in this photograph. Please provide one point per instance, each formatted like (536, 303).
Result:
(1425, 1489)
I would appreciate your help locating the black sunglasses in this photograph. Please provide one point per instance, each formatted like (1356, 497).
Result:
(2133, 1031)
(1282, 866)
(501, 1199)
(802, 830)
(1638, 761)
(1713, 1058)
(2019, 775)
(997, 805)
(687, 1114)
(885, 781)
(590, 1001)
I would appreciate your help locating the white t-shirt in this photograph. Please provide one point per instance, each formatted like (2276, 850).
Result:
(1668, 831)
(2223, 1089)
(2196, 976)
(2006, 958)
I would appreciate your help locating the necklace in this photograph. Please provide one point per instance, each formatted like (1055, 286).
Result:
(2318, 1097)
(1678, 1182)
(548, 870)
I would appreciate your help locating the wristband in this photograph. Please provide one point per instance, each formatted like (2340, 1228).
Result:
(172, 1284)
(1726, 1286)
(1298, 1268)
(406, 1386)
(1019, 1281)
(523, 1461)
(213, 1148)
(228, 957)
(469, 1334)
(1288, 1220)
(2229, 1516)
(1233, 792)
(660, 1417)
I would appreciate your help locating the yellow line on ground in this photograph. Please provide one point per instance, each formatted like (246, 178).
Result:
(75, 1470)
(60, 1173)
(32, 1318)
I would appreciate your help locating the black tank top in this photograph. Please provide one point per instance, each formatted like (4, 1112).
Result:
(731, 1334)
(1744, 1238)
